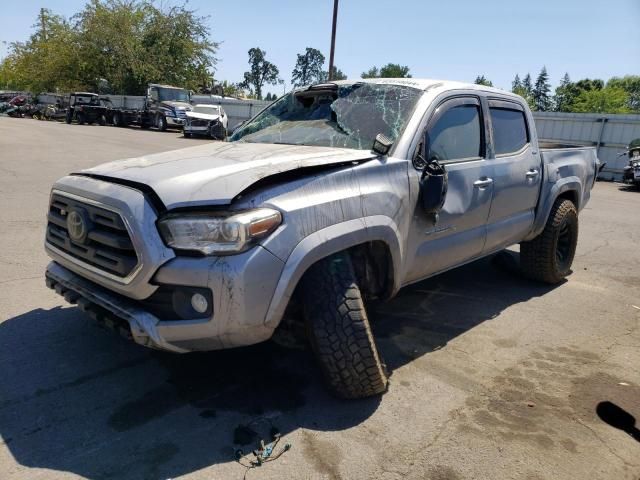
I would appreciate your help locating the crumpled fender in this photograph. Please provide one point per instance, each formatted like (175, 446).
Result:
(328, 241)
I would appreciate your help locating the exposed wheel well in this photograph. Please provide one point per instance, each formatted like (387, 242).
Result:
(571, 195)
(373, 265)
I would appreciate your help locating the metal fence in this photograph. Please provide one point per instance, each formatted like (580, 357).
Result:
(610, 134)
(237, 110)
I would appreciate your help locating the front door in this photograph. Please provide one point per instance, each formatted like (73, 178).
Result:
(455, 136)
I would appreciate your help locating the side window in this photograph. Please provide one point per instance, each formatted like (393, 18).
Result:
(456, 135)
(509, 130)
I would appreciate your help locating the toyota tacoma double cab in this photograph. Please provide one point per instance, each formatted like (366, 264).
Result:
(333, 195)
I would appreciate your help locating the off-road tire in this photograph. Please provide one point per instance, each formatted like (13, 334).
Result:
(548, 257)
(339, 330)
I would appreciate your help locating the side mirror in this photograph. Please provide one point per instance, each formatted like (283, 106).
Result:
(433, 188)
(382, 144)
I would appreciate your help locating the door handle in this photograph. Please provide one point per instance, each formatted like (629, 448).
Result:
(483, 182)
(533, 173)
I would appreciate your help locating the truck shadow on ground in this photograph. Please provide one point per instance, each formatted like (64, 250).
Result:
(76, 399)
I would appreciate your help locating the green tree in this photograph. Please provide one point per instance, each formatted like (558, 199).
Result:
(47, 61)
(527, 85)
(125, 44)
(587, 84)
(605, 100)
(268, 97)
(523, 88)
(337, 74)
(565, 95)
(390, 70)
(541, 92)
(134, 43)
(516, 85)
(308, 69)
(481, 80)
(631, 85)
(230, 89)
(373, 72)
(261, 72)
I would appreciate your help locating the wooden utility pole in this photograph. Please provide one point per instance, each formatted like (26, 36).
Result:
(333, 38)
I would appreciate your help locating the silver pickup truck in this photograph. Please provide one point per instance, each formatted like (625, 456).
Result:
(318, 201)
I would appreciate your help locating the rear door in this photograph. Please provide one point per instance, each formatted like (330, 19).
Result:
(517, 174)
(456, 134)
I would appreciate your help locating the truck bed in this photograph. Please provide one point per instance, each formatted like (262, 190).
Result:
(126, 102)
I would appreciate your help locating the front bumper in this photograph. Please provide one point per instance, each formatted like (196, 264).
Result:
(242, 285)
(175, 121)
(204, 129)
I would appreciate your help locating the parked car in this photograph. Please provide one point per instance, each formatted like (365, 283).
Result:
(209, 120)
(162, 107)
(333, 195)
(631, 172)
(86, 107)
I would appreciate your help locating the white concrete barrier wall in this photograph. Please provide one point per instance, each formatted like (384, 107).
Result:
(609, 133)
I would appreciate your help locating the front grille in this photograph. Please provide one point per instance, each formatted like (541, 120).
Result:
(107, 245)
(198, 122)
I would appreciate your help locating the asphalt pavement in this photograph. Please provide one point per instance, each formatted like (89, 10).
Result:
(492, 376)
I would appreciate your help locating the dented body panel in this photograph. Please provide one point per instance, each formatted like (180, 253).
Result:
(330, 199)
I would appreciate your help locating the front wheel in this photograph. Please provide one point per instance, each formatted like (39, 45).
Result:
(339, 329)
(548, 257)
(161, 123)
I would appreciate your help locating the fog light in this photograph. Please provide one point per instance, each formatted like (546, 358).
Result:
(199, 303)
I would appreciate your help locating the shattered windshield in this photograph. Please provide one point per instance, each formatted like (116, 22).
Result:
(348, 116)
(173, 95)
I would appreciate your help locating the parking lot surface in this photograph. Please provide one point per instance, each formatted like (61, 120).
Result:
(492, 376)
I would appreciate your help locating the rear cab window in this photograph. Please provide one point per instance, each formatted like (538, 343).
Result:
(510, 129)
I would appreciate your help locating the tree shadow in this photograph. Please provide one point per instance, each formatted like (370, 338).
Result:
(73, 398)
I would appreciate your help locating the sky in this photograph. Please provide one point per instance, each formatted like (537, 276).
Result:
(443, 39)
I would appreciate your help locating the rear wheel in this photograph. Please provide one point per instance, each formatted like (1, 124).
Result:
(548, 257)
(339, 329)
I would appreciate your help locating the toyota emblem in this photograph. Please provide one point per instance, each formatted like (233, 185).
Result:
(77, 226)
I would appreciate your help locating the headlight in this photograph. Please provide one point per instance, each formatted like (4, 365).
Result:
(636, 164)
(221, 234)
(170, 113)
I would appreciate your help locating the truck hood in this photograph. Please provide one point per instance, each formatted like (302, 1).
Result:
(213, 174)
(181, 105)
